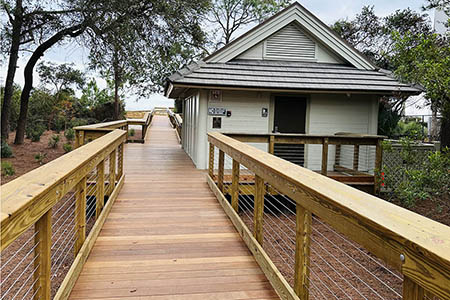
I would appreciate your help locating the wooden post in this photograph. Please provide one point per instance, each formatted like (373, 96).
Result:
(235, 186)
(302, 252)
(259, 209)
(272, 144)
(80, 138)
(355, 157)
(378, 166)
(43, 240)
(126, 129)
(337, 156)
(220, 174)
(80, 213)
(144, 129)
(120, 164)
(324, 156)
(211, 161)
(100, 196)
(411, 290)
(112, 171)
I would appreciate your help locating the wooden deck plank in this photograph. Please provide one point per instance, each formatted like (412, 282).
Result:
(167, 237)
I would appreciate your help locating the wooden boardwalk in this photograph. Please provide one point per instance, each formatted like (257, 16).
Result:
(167, 237)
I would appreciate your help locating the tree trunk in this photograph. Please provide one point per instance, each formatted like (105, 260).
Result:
(116, 86)
(28, 74)
(445, 132)
(13, 57)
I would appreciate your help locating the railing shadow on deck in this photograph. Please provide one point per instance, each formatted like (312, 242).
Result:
(52, 215)
(316, 238)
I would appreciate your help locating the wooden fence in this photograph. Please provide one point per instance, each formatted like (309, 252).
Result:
(414, 250)
(51, 210)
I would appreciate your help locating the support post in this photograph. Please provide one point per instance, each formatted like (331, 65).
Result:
(337, 156)
(80, 213)
(302, 252)
(120, 164)
(79, 138)
(411, 290)
(112, 171)
(42, 264)
(100, 196)
(259, 209)
(272, 144)
(221, 170)
(211, 161)
(324, 156)
(378, 166)
(355, 157)
(235, 186)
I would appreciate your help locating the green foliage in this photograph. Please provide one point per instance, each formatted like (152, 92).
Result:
(418, 178)
(40, 157)
(411, 129)
(69, 134)
(61, 77)
(34, 132)
(7, 169)
(54, 140)
(6, 150)
(388, 119)
(131, 132)
(67, 147)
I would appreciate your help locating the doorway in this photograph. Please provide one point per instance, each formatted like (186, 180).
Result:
(290, 117)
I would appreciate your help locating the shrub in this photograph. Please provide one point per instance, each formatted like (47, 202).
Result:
(7, 169)
(69, 134)
(40, 157)
(54, 140)
(132, 132)
(6, 150)
(34, 132)
(67, 147)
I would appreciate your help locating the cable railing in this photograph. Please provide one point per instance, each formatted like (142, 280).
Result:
(316, 238)
(87, 133)
(51, 216)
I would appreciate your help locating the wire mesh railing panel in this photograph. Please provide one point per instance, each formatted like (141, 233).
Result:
(18, 264)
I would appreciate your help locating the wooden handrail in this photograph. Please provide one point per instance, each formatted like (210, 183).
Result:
(29, 199)
(416, 246)
(176, 121)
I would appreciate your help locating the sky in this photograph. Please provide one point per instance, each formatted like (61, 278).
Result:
(326, 10)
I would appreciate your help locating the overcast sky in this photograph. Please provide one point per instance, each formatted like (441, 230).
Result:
(327, 10)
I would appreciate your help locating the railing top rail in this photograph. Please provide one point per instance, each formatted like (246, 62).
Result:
(307, 135)
(386, 230)
(37, 188)
(101, 125)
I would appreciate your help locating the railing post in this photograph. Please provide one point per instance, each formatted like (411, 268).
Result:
(221, 170)
(259, 209)
(120, 164)
(235, 186)
(211, 161)
(80, 139)
(80, 213)
(337, 156)
(324, 156)
(378, 166)
(43, 240)
(112, 171)
(302, 252)
(355, 157)
(100, 197)
(411, 290)
(272, 144)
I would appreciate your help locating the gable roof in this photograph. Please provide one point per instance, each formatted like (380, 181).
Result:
(286, 75)
(308, 22)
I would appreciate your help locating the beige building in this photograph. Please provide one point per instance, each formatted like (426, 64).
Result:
(290, 74)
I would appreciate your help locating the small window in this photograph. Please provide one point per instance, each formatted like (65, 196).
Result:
(217, 122)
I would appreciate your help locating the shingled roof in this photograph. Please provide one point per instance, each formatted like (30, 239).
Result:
(284, 75)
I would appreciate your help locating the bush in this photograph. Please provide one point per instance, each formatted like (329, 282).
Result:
(69, 134)
(7, 169)
(6, 150)
(132, 132)
(54, 140)
(40, 157)
(67, 147)
(34, 133)
(80, 122)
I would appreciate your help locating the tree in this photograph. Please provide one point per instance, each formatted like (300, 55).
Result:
(425, 59)
(61, 77)
(229, 16)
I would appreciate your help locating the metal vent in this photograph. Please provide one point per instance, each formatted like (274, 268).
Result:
(290, 43)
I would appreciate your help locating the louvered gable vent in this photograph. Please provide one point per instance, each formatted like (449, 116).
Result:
(290, 43)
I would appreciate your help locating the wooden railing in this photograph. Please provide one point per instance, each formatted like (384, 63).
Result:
(412, 246)
(88, 133)
(176, 121)
(47, 213)
(347, 157)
